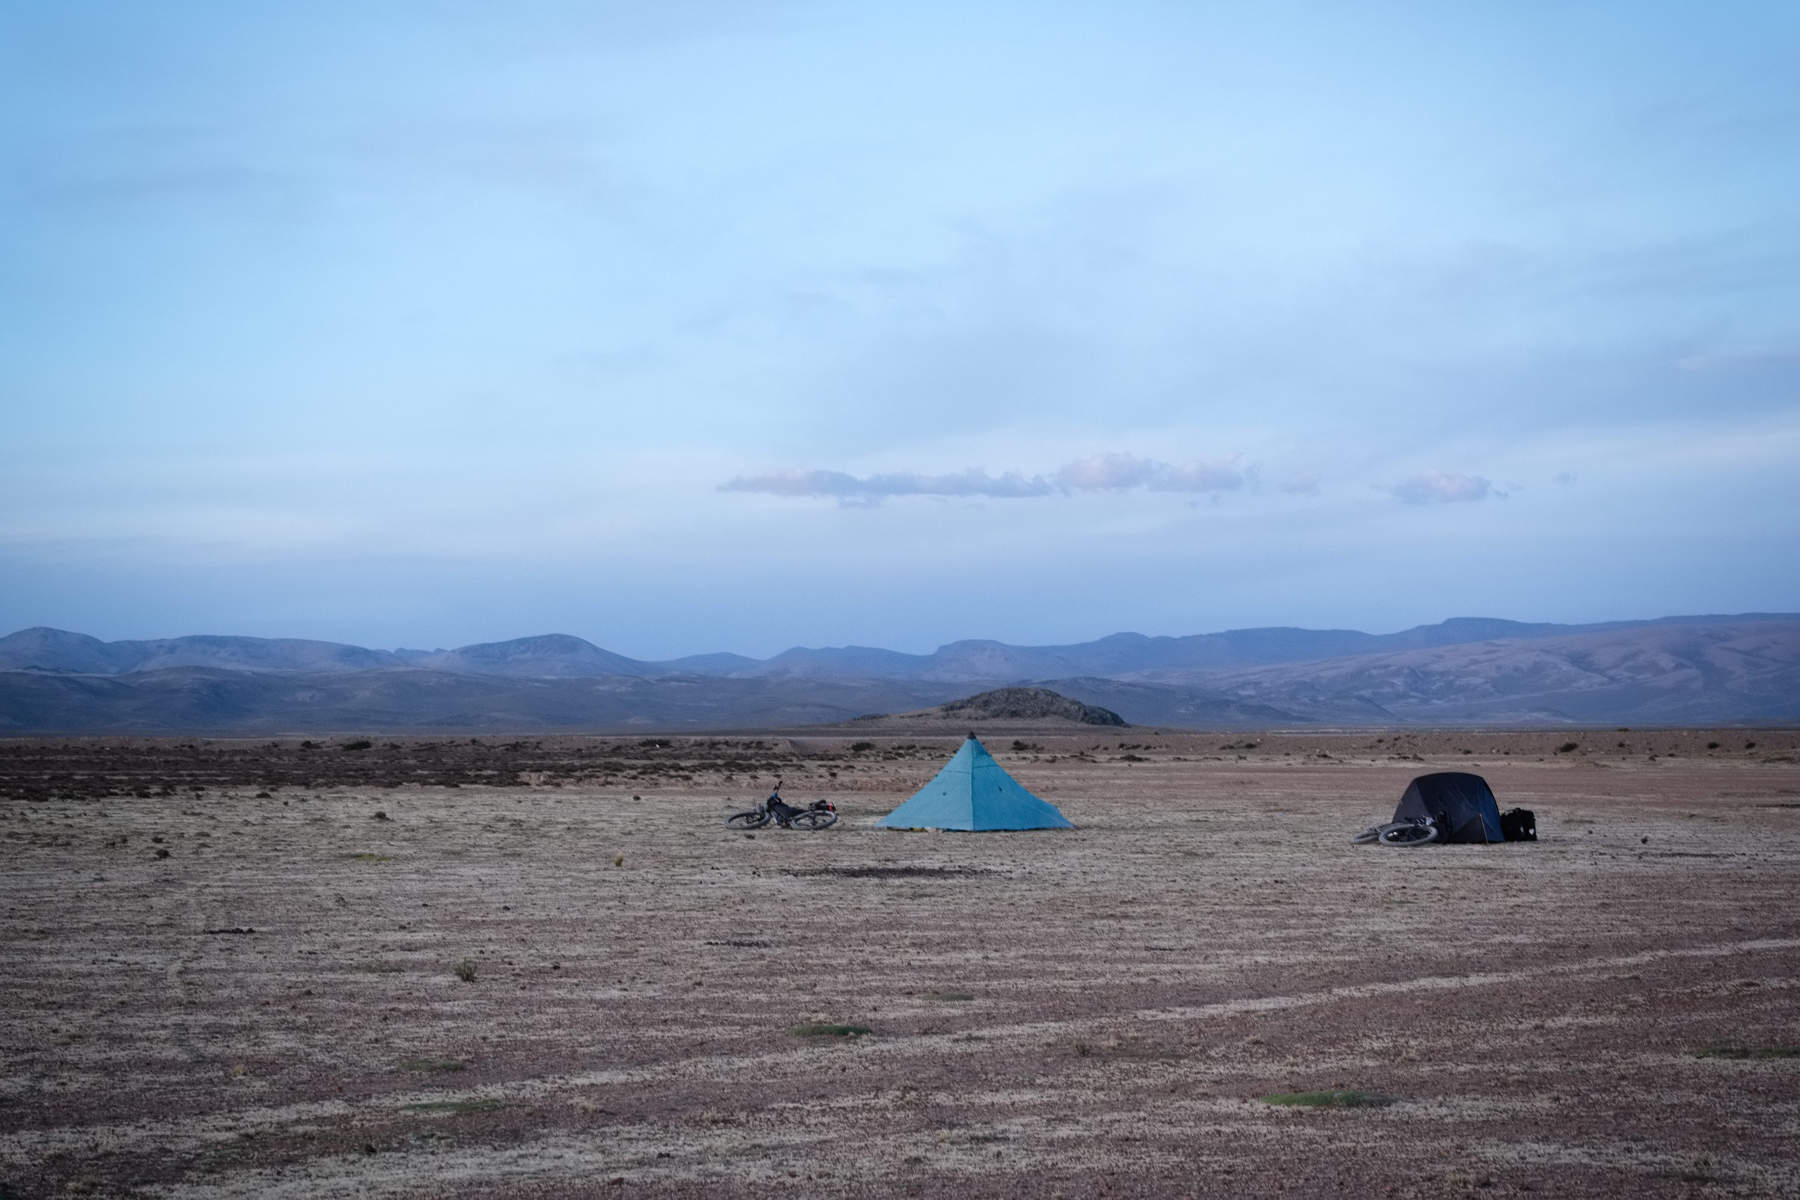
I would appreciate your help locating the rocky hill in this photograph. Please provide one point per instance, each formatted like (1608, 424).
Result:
(1026, 704)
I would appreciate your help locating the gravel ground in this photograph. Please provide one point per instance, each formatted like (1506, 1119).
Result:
(230, 969)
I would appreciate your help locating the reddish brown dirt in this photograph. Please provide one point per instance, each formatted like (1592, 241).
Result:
(273, 1009)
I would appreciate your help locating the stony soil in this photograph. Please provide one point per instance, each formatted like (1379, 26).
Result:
(230, 969)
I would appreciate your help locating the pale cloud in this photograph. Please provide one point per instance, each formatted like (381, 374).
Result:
(1442, 487)
(1114, 472)
(973, 482)
(1302, 485)
(1741, 357)
(1097, 473)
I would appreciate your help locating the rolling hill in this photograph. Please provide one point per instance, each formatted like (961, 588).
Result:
(1471, 671)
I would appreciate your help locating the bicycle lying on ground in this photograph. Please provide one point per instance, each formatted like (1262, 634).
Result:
(821, 814)
(1419, 831)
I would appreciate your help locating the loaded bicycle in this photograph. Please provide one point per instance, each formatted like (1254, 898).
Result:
(820, 814)
(1416, 831)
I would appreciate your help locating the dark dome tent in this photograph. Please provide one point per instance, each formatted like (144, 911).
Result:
(1461, 804)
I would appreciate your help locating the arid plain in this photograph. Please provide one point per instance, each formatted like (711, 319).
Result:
(231, 968)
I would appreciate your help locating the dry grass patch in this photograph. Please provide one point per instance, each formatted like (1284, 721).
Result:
(456, 1107)
(1742, 1052)
(1331, 1099)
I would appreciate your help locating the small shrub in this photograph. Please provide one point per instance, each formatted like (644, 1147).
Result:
(436, 1065)
(1335, 1099)
(457, 1106)
(1751, 1052)
(860, 747)
(1568, 746)
(1712, 745)
(618, 860)
(465, 970)
(359, 744)
(819, 1029)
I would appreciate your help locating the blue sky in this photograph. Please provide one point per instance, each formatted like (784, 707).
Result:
(704, 326)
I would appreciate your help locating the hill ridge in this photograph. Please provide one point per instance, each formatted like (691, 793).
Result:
(562, 655)
(1668, 672)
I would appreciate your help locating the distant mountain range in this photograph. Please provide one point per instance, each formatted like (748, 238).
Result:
(1674, 670)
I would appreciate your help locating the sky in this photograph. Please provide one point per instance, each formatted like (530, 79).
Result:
(710, 325)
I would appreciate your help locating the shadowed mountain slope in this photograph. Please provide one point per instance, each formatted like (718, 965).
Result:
(192, 700)
(1689, 670)
(1674, 673)
(57, 650)
(546, 656)
(1123, 655)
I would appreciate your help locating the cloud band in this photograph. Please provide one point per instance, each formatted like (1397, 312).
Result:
(1099, 473)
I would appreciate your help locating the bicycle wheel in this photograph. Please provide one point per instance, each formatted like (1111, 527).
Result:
(1371, 834)
(812, 818)
(754, 819)
(1409, 835)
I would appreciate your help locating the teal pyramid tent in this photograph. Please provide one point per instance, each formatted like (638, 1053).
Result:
(974, 792)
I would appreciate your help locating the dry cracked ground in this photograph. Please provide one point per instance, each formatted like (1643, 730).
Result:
(232, 969)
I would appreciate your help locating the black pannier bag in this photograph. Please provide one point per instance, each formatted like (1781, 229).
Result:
(1518, 825)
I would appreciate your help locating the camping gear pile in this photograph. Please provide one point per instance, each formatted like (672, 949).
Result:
(1451, 806)
(973, 792)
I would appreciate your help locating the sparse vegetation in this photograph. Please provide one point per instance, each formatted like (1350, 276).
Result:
(465, 970)
(1699, 1168)
(822, 1029)
(1748, 1052)
(1567, 747)
(987, 1046)
(861, 747)
(1332, 1099)
(359, 744)
(884, 872)
(457, 1106)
